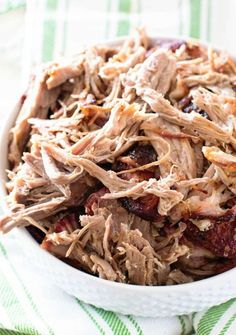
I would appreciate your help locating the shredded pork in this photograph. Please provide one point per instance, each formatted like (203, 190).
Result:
(122, 161)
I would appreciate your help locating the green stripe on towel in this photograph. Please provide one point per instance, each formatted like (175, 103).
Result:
(49, 31)
(27, 294)
(228, 324)
(4, 331)
(195, 18)
(182, 323)
(135, 324)
(212, 316)
(95, 322)
(14, 309)
(124, 24)
(114, 322)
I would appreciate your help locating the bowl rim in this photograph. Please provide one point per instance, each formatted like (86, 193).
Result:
(27, 238)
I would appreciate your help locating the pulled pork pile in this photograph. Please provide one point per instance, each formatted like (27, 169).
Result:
(123, 164)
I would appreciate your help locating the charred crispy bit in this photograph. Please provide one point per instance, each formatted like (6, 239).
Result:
(220, 239)
(187, 106)
(137, 156)
(37, 234)
(94, 200)
(145, 207)
(142, 154)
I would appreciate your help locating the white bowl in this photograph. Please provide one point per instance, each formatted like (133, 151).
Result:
(123, 298)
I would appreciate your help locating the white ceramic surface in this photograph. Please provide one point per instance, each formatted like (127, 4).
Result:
(127, 299)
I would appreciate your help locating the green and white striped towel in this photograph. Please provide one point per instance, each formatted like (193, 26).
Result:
(28, 304)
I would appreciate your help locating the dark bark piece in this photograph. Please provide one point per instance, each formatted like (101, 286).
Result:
(145, 207)
(36, 233)
(220, 239)
(187, 106)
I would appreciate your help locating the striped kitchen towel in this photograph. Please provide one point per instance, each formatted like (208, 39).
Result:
(28, 304)
(62, 27)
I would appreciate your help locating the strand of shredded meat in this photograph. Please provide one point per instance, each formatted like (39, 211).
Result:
(122, 161)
